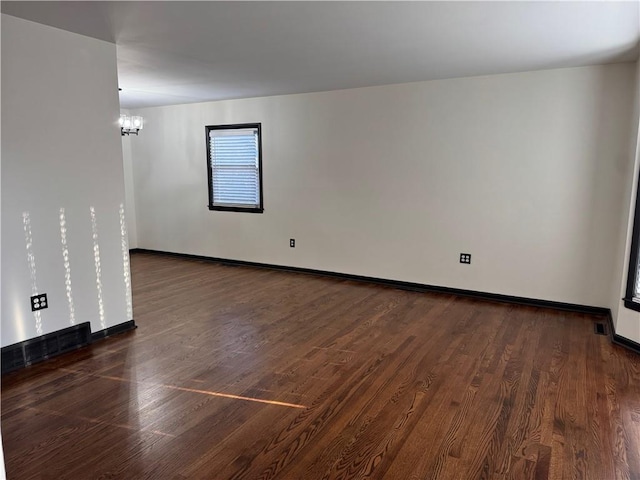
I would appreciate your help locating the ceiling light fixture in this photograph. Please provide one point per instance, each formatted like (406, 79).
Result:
(130, 125)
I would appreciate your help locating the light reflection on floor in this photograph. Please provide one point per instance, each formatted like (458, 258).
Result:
(98, 422)
(192, 390)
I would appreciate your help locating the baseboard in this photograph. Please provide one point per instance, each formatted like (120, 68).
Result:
(619, 339)
(116, 329)
(418, 287)
(625, 342)
(39, 349)
(44, 347)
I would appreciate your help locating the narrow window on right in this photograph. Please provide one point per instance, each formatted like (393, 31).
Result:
(632, 296)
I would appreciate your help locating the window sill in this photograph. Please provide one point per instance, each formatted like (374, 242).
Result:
(630, 304)
(221, 208)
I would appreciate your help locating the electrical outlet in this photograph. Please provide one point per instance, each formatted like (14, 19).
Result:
(292, 242)
(38, 302)
(465, 258)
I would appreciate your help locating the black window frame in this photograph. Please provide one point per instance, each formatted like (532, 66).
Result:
(224, 208)
(632, 273)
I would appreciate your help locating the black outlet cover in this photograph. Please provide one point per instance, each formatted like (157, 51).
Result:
(465, 258)
(38, 302)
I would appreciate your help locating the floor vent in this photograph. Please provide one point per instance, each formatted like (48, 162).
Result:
(47, 346)
(599, 328)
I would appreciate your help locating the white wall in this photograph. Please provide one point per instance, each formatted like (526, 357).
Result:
(626, 321)
(130, 201)
(523, 171)
(61, 148)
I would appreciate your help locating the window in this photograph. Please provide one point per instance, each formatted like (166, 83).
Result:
(632, 297)
(234, 164)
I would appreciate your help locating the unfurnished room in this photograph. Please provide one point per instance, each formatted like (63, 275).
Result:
(320, 240)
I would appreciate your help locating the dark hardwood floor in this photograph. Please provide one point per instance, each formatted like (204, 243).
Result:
(238, 372)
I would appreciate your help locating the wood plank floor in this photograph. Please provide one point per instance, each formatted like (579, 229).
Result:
(242, 373)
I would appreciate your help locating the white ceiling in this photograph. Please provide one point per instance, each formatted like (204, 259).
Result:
(182, 52)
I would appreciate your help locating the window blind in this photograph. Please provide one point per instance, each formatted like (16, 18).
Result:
(235, 167)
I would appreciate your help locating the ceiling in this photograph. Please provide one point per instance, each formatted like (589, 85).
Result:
(182, 52)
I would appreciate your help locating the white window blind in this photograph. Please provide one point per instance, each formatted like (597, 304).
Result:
(235, 174)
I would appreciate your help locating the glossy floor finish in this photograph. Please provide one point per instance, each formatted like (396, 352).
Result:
(248, 373)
